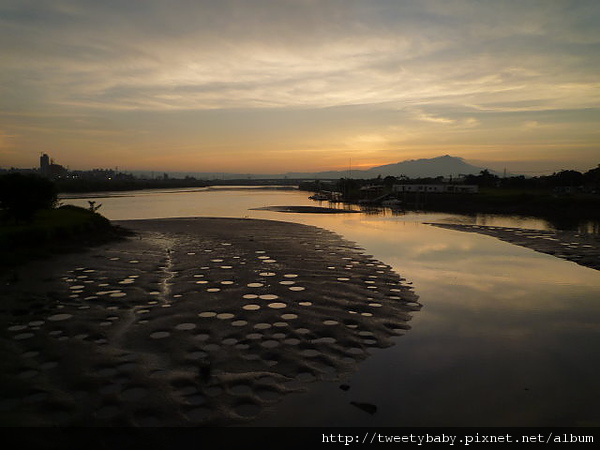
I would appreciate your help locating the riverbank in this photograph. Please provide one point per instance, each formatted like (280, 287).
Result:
(564, 211)
(54, 231)
(192, 322)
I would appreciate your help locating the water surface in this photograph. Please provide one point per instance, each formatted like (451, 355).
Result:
(507, 336)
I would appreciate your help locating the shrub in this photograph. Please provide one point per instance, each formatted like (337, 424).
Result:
(22, 195)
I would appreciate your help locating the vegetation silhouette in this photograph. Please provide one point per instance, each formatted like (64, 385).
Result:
(565, 198)
(32, 226)
(22, 195)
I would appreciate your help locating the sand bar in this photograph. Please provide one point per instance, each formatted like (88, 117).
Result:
(306, 209)
(191, 322)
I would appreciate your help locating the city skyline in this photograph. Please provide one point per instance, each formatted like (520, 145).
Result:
(299, 86)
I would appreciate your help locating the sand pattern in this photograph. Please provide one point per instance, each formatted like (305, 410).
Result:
(193, 322)
(584, 249)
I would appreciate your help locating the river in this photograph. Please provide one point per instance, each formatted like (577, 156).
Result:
(506, 337)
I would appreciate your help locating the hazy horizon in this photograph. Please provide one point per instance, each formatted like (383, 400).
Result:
(276, 86)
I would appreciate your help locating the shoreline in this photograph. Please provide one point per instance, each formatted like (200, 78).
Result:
(192, 322)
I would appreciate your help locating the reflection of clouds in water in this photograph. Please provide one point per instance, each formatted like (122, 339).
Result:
(481, 263)
(431, 249)
(155, 359)
(499, 292)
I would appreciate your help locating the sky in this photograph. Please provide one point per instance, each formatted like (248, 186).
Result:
(274, 86)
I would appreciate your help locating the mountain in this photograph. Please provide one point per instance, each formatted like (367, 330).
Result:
(446, 166)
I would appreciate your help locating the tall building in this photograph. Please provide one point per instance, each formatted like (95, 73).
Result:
(45, 165)
(49, 169)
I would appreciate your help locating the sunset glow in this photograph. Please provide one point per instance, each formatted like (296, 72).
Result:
(275, 86)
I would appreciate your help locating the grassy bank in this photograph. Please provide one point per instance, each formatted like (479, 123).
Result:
(51, 231)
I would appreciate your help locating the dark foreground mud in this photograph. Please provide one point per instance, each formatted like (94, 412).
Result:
(191, 322)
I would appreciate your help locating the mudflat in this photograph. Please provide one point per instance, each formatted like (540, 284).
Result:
(307, 209)
(191, 322)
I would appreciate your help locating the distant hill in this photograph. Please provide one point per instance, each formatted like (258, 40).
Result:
(446, 166)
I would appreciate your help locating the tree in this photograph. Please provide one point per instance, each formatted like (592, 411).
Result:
(389, 181)
(592, 179)
(485, 178)
(22, 195)
(567, 178)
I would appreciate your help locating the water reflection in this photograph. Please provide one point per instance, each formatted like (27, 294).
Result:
(237, 201)
(508, 337)
(589, 227)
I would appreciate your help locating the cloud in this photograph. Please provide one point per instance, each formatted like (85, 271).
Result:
(6, 140)
(199, 55)
(470, 122)
(435, 119)
(531, 125)
(453, 66)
